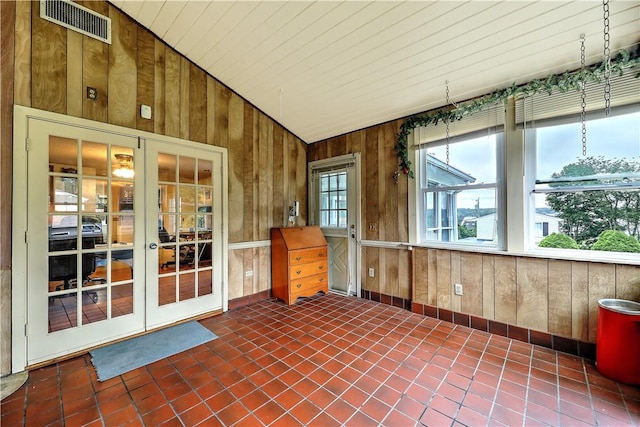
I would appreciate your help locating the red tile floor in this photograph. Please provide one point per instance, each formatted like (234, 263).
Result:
(332, 360)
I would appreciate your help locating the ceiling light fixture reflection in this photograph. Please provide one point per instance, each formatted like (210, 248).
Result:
(125, 166)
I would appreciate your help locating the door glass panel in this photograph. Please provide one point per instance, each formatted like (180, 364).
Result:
(122, 196)
(63, 194)
(205, 281)
(63, 312)
(187, 199)
(187, 170)
(94, 306)
(187, 286)
(166, 290)
(122, 300)
(166, 167)
(94, 159)
(63, 155)
(122, 162)
(204, 172)
(94, 195)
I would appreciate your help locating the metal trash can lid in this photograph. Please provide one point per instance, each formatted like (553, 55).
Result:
(620, 306)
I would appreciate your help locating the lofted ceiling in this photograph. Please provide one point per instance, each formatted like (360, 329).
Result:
(325, 68)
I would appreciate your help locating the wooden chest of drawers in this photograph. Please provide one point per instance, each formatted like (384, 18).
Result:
(298, 263)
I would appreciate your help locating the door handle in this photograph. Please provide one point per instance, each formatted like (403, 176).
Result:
(153, 245)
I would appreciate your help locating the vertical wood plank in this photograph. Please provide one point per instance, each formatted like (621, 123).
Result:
(443, 259)
(172, 93)
(471, 280)
(628, 282)
(74, 74)
(301, 179)
(236, 273)
(95, 74)
(264, 258)
(211, 111)
(280, 203)
(532, 291)
(185, 97)
(197, 104)
(392, 195)
(269, 173)
(236, 168)
(122, 70)
(421, 280)
(247, 173)
(404, 274)
(432, 277)
(456, 277)
(580, 300)
(49, 64)
(248, 266)
(145, 63)
(392, 272)
(263, 184)
(222, 95)
(506, 290)
(372, 260)
(255, 173)
(560, 297)
(601, 285)
(159, 87)
(22, 66)
(370, 194)
(381, 184)
(488, 286)
(7, 57)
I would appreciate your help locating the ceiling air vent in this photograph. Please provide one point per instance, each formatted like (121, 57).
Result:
(77, 18)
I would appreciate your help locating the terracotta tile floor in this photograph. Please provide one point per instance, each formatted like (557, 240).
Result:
(332, 360)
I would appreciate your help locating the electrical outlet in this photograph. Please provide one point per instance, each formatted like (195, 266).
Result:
(373, 226)
(457, 289)
(372, 272)
(248, 273)
(92, 93)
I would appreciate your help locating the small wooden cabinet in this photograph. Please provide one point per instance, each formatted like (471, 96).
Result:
(298, 263)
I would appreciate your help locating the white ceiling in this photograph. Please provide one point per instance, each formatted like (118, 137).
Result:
(325, 68)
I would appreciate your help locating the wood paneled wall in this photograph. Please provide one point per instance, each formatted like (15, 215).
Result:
(267, 164)
(553, 296)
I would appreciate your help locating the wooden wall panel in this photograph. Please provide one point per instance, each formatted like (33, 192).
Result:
(247, 174)
(221, 100)
(145, 63)
(559, 297)
(22, 66)
(248, 260)
(198, 104)
(455, 277)
(371, 259)
(391, 194)
(600, 285)
(264, 186)
(506, 290)
(432, 277)
(123, 72)
(627, 282)
(263, 278)
(95, 74)
(580, 300)
(443, 278)
(392, 272)
(236, 273)
(421, 266)
(281, 202)
(532, 290)
(299, 184)
(211, 110)
(370, 185)
(185, 86)
(488, 286)
(172, 93)
(471, 280)
(236, 168)
(48, 64)
(74, 74)
(404, 274)
(159, 88)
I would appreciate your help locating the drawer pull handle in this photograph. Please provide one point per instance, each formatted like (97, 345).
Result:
(299, 285)
(298, 271)
(321, 279)
(321, 267)
(298, 258)
(321, 254)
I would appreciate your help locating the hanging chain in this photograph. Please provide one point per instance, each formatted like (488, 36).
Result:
(607, 60)
(583, 89)
(447, 125)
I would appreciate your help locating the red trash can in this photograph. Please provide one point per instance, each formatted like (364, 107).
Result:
(618, 340)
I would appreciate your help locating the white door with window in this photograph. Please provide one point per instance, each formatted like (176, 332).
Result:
(335, 206)
(122, 234)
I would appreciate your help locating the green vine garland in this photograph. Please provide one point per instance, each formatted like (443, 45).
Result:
(563, 82)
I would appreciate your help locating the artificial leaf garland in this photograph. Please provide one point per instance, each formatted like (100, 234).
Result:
(563, 82)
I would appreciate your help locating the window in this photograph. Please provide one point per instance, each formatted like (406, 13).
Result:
(459, 198)
(333, 199)
(586, 195)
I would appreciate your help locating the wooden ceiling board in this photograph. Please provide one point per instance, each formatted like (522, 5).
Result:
(197, 32)
(183, 22)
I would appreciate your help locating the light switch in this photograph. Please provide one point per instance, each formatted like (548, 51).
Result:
(145, 111)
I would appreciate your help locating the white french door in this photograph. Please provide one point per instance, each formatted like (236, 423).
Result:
(85, 239)
(334, 201)
(184, 258)
(123, 234)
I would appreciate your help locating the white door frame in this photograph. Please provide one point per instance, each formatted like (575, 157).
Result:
(354, 236)
(19, 303)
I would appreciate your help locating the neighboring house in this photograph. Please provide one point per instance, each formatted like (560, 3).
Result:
(544, 225)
